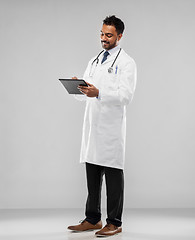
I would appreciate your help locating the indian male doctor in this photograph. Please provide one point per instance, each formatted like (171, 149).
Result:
(111, 79)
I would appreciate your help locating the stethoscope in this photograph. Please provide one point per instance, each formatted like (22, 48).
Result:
(110, 69)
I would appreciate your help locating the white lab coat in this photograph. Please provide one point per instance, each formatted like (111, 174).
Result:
(104, 127)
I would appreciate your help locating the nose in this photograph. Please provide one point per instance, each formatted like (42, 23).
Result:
(103, 38)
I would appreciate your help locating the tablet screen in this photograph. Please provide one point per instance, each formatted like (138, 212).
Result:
(72, 84)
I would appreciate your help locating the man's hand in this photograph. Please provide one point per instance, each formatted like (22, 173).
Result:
(90, 91)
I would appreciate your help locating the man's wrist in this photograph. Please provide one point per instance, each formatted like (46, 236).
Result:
(97, 93)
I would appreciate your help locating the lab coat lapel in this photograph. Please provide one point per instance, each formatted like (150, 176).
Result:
(110, 59)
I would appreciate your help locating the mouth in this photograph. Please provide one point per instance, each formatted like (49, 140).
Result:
(105, 43)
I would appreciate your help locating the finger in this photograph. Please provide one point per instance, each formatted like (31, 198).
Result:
(81, 91)
(74, 78)
(82, 87)
(89, 84)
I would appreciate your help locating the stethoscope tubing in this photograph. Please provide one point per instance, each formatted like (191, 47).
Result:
(116, 58)
(110, 69)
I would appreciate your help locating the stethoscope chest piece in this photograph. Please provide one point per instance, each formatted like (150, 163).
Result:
(110, 69)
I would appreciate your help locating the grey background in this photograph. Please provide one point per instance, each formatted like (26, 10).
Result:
(41, 41)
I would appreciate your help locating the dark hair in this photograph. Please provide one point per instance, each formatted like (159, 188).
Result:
(116, 22)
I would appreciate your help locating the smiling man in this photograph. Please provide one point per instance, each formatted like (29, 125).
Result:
(111, 79)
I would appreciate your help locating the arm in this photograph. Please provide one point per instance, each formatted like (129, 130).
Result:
(124, 94)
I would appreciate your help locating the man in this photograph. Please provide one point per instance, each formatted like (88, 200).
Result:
(111, 79)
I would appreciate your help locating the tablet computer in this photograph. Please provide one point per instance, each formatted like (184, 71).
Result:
(72, 84)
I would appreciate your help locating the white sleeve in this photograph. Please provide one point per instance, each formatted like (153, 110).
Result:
(124, 94)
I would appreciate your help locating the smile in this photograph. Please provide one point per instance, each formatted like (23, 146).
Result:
(105, 42)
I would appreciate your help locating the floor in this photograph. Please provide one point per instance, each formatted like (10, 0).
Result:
(138, 224)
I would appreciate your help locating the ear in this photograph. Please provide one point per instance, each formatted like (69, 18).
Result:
(120, 36)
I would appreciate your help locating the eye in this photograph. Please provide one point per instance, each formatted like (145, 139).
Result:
(109, 35)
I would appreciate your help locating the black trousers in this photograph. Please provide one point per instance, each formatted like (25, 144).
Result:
(114, 189)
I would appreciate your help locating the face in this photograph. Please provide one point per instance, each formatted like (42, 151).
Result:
(109, 37)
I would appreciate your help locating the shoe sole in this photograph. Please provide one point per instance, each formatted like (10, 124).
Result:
(89, 230)
(101, 235)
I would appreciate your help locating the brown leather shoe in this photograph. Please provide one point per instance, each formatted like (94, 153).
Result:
(109, 230)
(85, 226)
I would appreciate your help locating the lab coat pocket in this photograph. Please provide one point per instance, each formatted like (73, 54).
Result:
(113, 81)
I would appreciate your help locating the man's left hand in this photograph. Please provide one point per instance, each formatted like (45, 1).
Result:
(90, 91)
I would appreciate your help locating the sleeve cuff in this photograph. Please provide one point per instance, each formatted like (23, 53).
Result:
(99, 96)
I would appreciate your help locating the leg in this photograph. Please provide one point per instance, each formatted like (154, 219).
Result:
(115, 194)
(94, 175)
